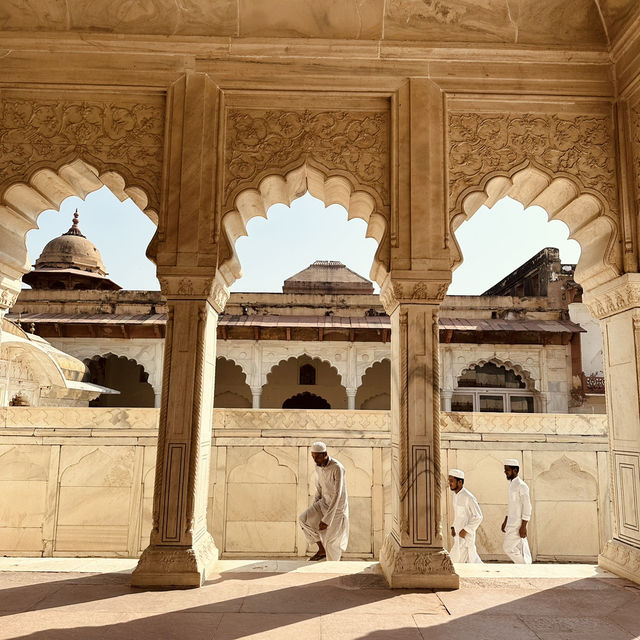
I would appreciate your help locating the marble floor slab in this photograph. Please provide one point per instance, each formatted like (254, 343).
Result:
(288, 599)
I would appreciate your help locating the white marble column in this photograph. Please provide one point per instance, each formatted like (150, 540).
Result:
(256, 393)
(351, 398)
(413, 554)
(617, 305)
(446, 395)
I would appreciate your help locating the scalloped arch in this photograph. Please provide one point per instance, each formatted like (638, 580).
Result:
(585, 212)
(377, 361)
(313, 357)
(238, 364)
(519, 370)
(21, 204)
(284, 189)
(115, 355)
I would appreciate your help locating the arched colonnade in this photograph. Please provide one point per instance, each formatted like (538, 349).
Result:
(413, 159)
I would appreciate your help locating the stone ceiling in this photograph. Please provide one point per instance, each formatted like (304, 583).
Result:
(569, 24)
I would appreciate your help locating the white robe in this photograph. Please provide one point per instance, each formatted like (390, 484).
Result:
(519, 509)
(331, 506)
(468, 516)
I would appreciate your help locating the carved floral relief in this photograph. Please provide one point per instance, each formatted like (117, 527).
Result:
(127, 137)
(350, 141)
(581, 146)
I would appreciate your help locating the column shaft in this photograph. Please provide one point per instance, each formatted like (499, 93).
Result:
(182, 551)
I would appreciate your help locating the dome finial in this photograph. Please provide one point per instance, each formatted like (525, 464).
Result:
(75, 229)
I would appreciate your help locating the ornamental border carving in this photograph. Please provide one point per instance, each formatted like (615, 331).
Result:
(578, 146)
(354, 143)
(118, 133)
(616, 296)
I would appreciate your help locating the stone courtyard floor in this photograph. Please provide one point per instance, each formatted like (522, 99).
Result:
(90, 599)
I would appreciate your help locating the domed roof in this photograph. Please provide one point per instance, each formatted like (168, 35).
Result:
(71, 250)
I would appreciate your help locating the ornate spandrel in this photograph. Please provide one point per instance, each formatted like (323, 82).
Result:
(125, 136)
(581, 146)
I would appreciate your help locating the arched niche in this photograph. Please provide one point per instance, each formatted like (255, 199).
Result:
(124, 375)
(585, 212)
(375, 390)
(283, 382)
(359, 202)
(21, 203)
(231, 390)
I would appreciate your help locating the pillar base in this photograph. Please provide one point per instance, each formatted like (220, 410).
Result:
(165, 566)
(622, 559)
(417, 567)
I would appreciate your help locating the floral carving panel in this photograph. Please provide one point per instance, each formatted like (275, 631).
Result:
(580, 146)
(126, 137)
(353, 142)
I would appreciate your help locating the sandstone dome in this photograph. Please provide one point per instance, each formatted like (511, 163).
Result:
(71, 250)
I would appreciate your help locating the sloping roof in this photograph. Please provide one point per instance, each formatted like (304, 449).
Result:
(327, 276)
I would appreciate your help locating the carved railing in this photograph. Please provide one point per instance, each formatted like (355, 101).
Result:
(570, 424)
(80, 420)
(593, 384)
(301, 419)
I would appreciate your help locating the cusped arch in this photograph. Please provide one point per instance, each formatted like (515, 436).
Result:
(363, 370)
(313, 357)
(283, 188)
(237, 363)
(21, 203)
(530, 382)
(586, 213)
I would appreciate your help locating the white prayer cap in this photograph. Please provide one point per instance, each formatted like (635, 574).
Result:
(456, 473)
(511, 462)
(318, 447)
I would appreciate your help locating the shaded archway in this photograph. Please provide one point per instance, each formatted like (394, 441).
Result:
(305, 400)
(231, 389)
(283, 382)
(124, 375)
(375, 390)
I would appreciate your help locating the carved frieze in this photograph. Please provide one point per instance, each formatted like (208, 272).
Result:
(394, 292)
(613, 297)
(350, 142)
(578, 145)
(195, 287)
(125, 136)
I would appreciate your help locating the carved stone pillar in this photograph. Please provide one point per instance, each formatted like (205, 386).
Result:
(617, 305)
(413, 553)
(446, 395)
(256, 393)
(351, 398)
(181, 550)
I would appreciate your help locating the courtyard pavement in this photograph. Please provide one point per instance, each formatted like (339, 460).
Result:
(90, 599)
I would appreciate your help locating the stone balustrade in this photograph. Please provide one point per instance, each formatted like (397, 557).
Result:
(79, 481)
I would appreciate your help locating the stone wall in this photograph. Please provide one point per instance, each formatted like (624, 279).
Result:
(80, 481)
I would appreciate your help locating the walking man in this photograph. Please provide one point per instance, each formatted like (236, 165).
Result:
(326, 521)
(516, 545)
(467, 518)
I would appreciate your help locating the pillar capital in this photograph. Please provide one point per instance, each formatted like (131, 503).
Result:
(9, 290)
(409, 287)
(195, 285)
(613, 297)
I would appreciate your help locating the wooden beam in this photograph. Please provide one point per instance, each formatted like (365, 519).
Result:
(320, 333)
(288, 333)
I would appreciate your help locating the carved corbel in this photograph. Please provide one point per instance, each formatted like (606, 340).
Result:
(188, 286)
(419, 289)
(616, 296)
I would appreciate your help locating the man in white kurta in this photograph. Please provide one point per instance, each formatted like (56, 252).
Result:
(516, 545)
(326, 521)
(467, 519)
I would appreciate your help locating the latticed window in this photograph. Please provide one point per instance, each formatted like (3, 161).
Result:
(492, 388)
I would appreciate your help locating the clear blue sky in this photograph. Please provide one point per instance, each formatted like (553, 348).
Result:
(494, 242)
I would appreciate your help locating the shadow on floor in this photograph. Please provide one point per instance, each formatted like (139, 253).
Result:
(280, 606)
